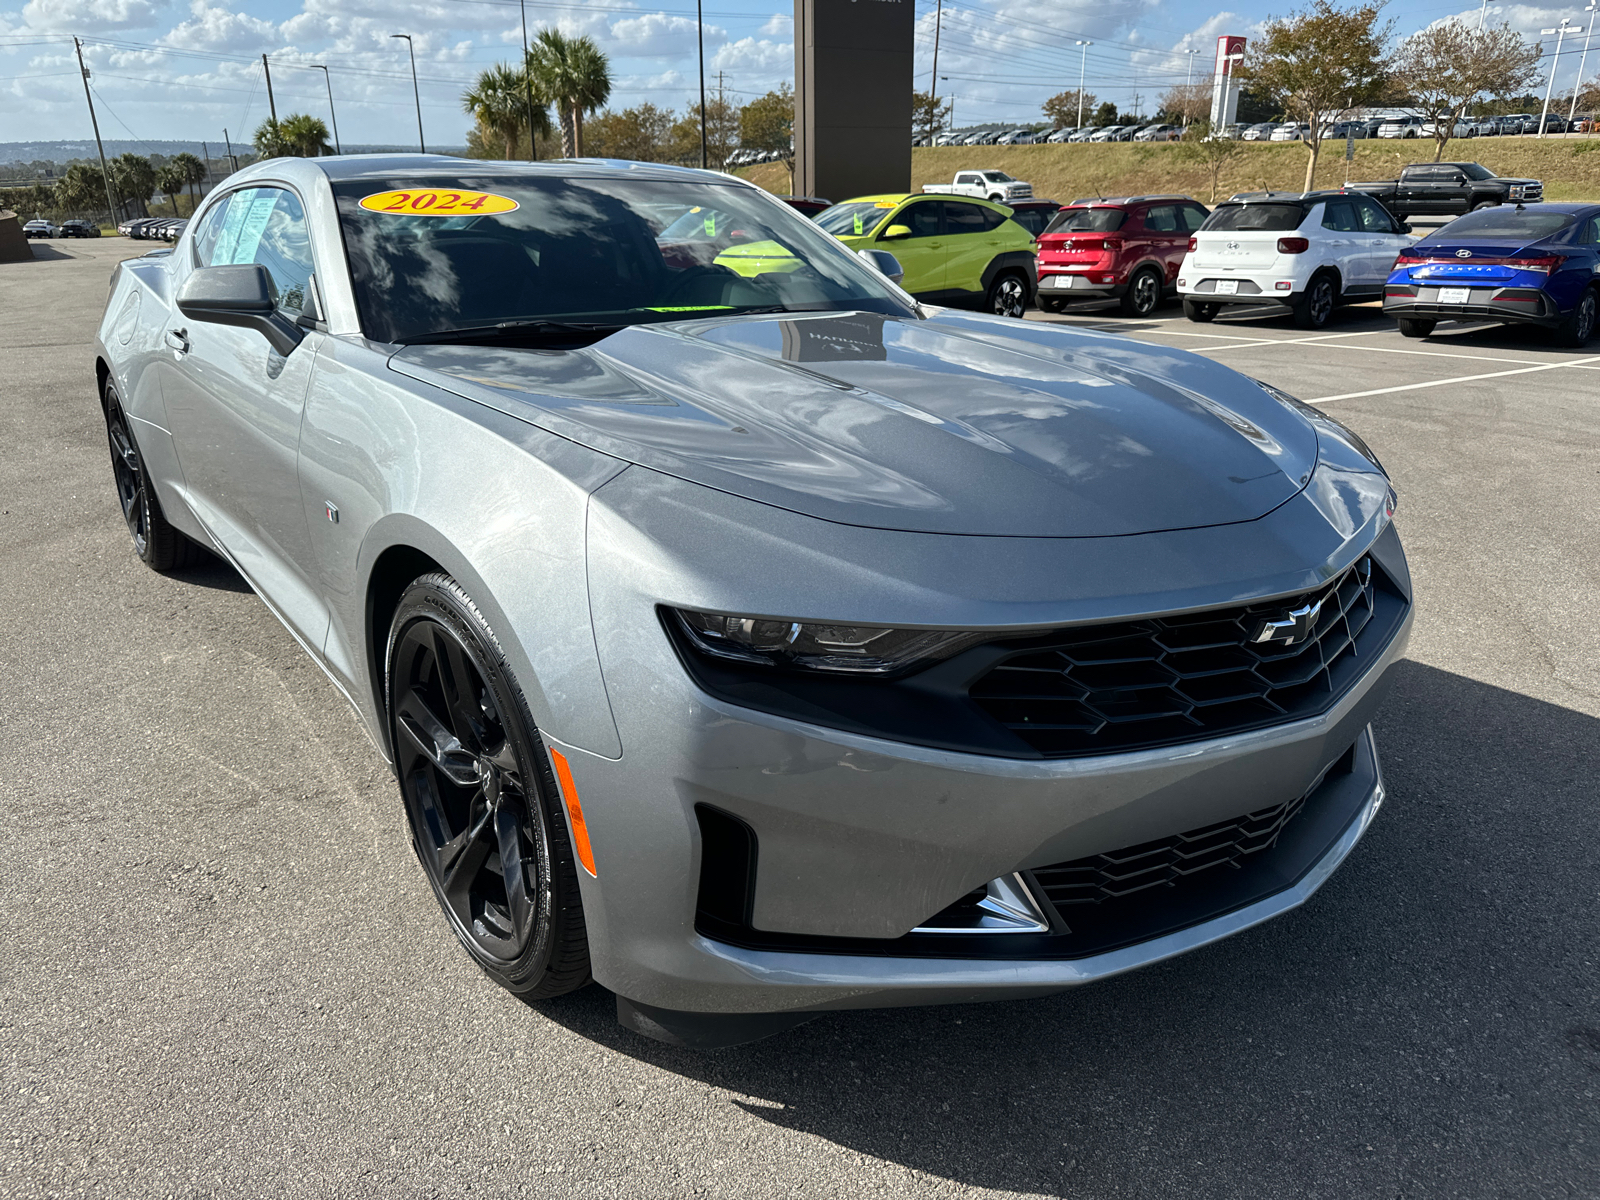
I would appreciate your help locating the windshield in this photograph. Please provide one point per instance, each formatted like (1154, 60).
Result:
(1502, 222)
(1267, 218)
(855, 219)
(1087, 220)
(544, 249)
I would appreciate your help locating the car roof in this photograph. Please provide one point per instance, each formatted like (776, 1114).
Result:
(1113, 201)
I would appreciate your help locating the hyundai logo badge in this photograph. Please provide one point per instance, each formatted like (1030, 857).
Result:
(1463, 253)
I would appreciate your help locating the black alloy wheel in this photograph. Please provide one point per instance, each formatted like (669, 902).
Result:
(1143, 294)
(1201, 311)
(486, 823)
(1314, 308)
(1008, 295)
(158, 545)
(1578, 326)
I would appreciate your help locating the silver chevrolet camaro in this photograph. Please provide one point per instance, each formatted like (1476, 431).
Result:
(745, 635)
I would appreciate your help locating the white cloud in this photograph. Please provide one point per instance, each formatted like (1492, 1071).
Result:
(749, 55)
(778, 25)
(90, 15)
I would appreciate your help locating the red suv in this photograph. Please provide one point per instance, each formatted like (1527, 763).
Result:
(1128, 248)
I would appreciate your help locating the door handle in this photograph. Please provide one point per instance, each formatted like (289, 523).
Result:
(178, 339)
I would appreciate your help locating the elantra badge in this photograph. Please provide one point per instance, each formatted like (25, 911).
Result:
(1463, 253)
(1294, 626)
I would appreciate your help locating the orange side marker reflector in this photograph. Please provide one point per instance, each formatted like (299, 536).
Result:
(569, 794)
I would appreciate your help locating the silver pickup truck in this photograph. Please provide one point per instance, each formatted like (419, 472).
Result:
(985, 185)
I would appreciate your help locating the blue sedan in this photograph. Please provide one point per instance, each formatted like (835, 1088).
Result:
(1537, 265)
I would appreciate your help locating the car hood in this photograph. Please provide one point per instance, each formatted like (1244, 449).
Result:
(958, 423)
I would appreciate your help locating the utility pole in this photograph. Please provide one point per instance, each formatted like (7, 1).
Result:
(271, 104)
(700, 37)
(938, 22)
(233, 162)
(414, 91)
(105, 171)
(527, 80)
(1083, 67)
(206, 150)
(328, 79)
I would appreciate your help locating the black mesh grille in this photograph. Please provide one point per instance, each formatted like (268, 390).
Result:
(1139, 684)
(1119, 873)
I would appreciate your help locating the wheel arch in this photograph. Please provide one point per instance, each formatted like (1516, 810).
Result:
(1022, 261)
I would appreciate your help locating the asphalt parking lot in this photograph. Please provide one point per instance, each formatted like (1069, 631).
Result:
(224, 975)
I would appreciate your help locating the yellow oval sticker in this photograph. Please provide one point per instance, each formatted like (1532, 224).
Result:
(438, 202)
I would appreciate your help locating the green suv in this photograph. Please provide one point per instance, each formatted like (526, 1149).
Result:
(957, 251)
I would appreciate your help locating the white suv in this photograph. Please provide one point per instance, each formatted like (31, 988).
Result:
(1310, 252)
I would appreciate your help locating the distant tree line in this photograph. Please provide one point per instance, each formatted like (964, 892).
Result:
(81, 189)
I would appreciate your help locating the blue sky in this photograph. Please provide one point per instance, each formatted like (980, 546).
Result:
(190, 68)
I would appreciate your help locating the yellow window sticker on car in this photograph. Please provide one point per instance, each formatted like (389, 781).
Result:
(885, 203)
(438, 202)
(858, 225)
(710, 226)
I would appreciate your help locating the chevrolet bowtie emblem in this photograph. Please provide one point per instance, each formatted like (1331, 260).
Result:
(1294, 626)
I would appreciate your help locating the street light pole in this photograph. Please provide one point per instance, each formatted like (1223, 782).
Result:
(700, 37)
(1561, 32)
(1583, 60)
(421, 142)
(1188, 85)
(1083, 67)
(105, 172)
(527, 80)
(332, 116)
(938, 23)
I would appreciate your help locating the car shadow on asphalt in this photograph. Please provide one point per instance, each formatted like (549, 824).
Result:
(43, 253)
(210, 570)
(1426, 1024)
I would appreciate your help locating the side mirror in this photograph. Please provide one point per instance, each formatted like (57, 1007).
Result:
(240, 295)
(884, 263)
(1405, 227)
(893, 232)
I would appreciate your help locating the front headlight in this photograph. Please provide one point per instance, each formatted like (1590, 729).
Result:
(855, 649)
(1349, 486)
(1322, 422)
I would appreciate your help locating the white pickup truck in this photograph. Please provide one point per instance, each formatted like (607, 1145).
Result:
(986, 185)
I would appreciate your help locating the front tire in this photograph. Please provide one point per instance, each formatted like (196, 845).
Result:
(1316, 304)
(1415, 327)
(1199, 310)
(1144, 293)
(1008, 295)
(486, 821)
(158, 545)
(1483, 204)
(1578, 326)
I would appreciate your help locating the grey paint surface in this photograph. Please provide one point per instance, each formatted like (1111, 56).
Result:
(571, 493)
(853, 64)
(255, 995)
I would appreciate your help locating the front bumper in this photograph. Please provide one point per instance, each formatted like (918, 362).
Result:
(864, 838)
(1513, 305)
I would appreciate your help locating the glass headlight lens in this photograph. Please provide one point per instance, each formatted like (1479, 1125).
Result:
(856, 649)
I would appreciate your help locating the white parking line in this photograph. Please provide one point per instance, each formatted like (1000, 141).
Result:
(1297, 341)
(1432, 383)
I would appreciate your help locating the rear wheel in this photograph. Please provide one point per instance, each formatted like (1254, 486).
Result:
(1316, 303)
(1197, 310)
(1578, 327)
(480, 797)
(1412, 327)
(158, 545)
(1052, 304)
(1143, 294)
(1008, 295)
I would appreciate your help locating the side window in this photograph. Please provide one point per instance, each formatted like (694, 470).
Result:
(922, 217)
(268, 226)
(1340, 216)
(973, 179)
(1162, 218)
(966, 218)
(1589, 235)
(205, 238)
(1374, 219)
(1191, 218)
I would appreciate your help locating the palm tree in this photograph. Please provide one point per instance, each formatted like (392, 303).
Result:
(170, 179)
(577, 77)
(499, 102)
(133, 178)
(194, 172)
(305, 135)
(269, 140)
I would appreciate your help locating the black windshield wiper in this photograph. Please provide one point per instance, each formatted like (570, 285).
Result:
(508, 329)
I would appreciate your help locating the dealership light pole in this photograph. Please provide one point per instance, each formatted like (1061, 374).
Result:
(105, 172)
(1583, 60)
(421, 142)
(328, 79)
(1083, 67)
(700, 37)
(1188, 84)
(1561, 32)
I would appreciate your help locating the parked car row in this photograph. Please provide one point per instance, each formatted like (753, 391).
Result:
(163, 229)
